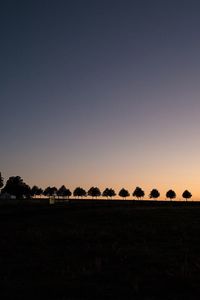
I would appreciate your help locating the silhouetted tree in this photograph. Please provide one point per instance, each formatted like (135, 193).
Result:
(109, 193)
(124, 193)
(1, 181)
(47, 191)
(63, 192)
(54, 190)
(35, 190)
(94, 192)
(79, 192)
(50, 191)
(171, 194)
(40, 192)
(17, 187)
(138, 193)
(154, 194)
(68, 193)
(186, 195)
(105, 193)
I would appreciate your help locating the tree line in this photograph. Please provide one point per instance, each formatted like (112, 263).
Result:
(17, 187)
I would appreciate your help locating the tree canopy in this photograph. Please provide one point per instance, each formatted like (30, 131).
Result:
(50, 191)
(186, 195)
(17, 187)
(138, 193)
(108, 192)
(94, 192)
(124, 193)
(64, 192)
(154, 194)
(171, 194)
(36, 191)
(79, 192)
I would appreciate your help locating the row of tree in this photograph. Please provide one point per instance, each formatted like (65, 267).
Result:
(17, 187)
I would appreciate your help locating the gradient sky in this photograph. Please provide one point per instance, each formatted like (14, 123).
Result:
(103, 93)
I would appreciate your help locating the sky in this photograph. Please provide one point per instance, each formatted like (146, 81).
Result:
(101, 93)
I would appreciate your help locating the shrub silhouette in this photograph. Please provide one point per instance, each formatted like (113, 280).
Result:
(94, 192)
(154, 194)
(171, 194)
(186, 195)
(138, 193)
(124, 193)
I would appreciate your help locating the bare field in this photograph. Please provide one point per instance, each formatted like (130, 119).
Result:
(93, 250)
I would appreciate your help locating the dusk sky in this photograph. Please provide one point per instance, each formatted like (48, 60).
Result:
(101, 93)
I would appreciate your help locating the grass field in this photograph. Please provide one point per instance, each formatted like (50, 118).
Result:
(100, 251)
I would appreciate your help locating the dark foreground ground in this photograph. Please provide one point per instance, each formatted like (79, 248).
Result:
(92, 251)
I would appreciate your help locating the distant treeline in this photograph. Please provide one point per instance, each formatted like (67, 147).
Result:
(17, 187)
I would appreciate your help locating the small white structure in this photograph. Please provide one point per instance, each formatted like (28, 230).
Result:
(52, 200)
